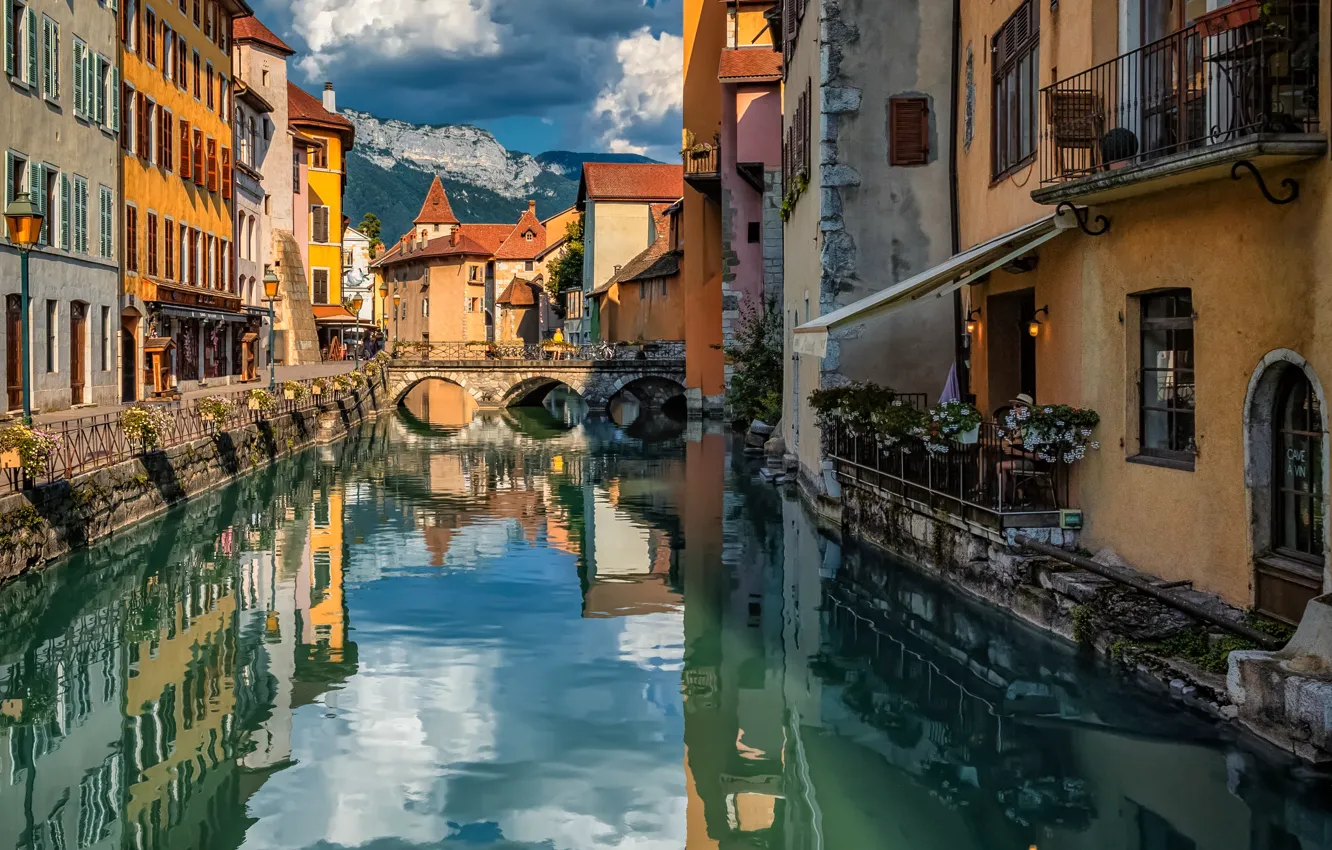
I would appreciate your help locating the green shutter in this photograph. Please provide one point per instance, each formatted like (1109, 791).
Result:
(30, 19)
(46, 57)
(36, 183)
(9, 188)
(10, 35)
(64, 212)
(76, 68)
(115, 99)
(96, 91)
(55, 60)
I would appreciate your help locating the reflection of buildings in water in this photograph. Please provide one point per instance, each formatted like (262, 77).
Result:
(327, 614)
(440, 403)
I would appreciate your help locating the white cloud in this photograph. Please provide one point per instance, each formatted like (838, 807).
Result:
(650, 87)
(338, 31)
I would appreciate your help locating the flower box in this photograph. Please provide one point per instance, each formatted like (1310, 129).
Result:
(254, 404)
(317, 389)
(969, 438)
(1229, 17)
(10, 459)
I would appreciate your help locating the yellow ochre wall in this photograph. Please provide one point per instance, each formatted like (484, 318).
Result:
(153, 188)
(325, 189)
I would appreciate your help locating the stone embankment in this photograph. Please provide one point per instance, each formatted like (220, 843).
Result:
(41, 525)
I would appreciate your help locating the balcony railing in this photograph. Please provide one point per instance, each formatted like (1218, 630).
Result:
(993, 482)
(1219, 81)
(703, 163)
(479, 350)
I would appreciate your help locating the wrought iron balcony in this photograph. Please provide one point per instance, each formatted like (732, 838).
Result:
(1241, 84)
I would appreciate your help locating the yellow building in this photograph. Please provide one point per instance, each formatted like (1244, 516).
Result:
(326, 179)
(175, 133)
(328, 613)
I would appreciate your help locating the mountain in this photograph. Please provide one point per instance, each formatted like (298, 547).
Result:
(393, 162)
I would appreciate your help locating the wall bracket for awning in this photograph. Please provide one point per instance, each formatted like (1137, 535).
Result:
(1081, 214)
(1291, 185)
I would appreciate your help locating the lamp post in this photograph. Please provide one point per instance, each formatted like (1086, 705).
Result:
(25, 226)
(383, 306)
(355, 304)
(271, 291)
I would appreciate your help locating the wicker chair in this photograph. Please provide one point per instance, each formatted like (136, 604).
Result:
(1077, 123)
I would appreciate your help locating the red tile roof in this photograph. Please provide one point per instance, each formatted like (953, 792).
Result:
(437, 248)
(750, 63)
(488, 236)
(252, 29)
(304, 108)
(436, 208)
(631, 181)
(521, 293)
(516, 247)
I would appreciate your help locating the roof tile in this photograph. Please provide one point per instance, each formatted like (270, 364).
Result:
(750, 63)
(252, 29)
(632, 181)
(436, 208)
(516, 247)
(305, 108)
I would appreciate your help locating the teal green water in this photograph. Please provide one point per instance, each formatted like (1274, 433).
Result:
(529, 633)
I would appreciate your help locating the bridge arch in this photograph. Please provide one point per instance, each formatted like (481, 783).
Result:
(400, 385)
(526, 387)
(651, 391)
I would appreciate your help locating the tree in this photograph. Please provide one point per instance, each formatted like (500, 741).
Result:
(370, 226)
(566, 272)
(756, 354)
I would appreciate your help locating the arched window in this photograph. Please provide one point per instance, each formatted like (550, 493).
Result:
(528, 237)
(1297, 516)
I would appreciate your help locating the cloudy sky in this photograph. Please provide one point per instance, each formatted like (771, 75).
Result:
(540, 74)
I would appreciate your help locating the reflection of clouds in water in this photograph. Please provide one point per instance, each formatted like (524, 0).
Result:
(374, 770)
(483, 541)
(621, 546)
(653, 641)
(658, 824)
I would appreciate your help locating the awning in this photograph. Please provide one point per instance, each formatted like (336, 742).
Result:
(203, 313)
(958, 271)
(333, 314)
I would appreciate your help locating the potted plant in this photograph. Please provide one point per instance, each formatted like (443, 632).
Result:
(956, 420)
(145, 425)
(356, 380)
(260, 400)
(26, 448)
(319, 385)
(293, 390)
(341, 383)
(1054, 432)
(1229, 17)
(214, 409)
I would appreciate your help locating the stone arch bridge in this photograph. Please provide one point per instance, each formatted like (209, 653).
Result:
(502, 383)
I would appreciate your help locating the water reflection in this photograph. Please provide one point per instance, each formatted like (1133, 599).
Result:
(514, 632)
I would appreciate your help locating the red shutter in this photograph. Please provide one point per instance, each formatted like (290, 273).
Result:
(908, 131)
(226, 173)
(185, 171)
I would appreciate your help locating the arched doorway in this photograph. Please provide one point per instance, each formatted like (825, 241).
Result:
(1286, 449)
(129, 356)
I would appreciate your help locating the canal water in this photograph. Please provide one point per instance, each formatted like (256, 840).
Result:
(537, 629)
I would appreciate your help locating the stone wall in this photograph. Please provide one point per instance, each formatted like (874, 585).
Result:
(42, 525)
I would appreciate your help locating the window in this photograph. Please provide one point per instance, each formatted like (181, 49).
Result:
(528, 236)
(185, 161)
(182, 75)
(754, 231)
(50, 58)
(129, 132)
(150, 30)
(52, 335)
(131, 238)
(66, 209)
(320, 279)
(296, 172)
(168, 249)
(81, 215)
(969, 122)
(168, 52)
(319, 224)
(208, 80)
(473, 273)
(210, 261)
(14, 39)
(106, 206)
(151, 230)
(147, 128)
(1014, 53)
(226, 173)
(129, 26)
(319, 157)
(106, 339)
(49, 188)
(200, 177)
(529, 265)
(263, 78)
(211, 151)
(197, 74)
(183, 273)
(208, 23)
(425, 307)
(196, 12)
(1166, 393)
(166, 153)
(908, 131)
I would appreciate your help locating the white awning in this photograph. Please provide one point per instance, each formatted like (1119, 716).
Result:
(959, 270)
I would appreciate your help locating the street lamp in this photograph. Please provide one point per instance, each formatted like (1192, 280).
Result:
(356, 303)
(271, 290)
(383, 306)
(25, 226)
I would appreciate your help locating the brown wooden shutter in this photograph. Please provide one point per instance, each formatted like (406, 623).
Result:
(141, 123)
(200, 178)
(908, 131)
(131, 239)
(226, 173)
(212, 166)
(185, 171)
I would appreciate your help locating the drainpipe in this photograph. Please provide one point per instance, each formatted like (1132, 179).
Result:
(959, 350)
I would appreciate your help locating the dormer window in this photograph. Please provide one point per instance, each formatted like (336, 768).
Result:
(528, 237)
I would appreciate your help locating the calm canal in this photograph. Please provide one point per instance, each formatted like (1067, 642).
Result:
(527, 631)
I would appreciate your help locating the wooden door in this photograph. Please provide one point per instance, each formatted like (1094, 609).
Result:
(129, 361)
(14, 351)
(78, 338)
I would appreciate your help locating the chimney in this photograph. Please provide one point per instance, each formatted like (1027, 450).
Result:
(455, 237)
(330, 99)
(531, 207)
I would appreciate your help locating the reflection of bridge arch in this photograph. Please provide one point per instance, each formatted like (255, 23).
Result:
(527, 387)
(652, 391)
(494, 383)
(399, 393)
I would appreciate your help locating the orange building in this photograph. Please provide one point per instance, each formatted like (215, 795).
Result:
(182, 308)
(642, 301)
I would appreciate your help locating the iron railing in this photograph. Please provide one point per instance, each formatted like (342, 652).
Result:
(993, 482)
(705, 162)
(1218, 81)
(94, 442)
(435, 351)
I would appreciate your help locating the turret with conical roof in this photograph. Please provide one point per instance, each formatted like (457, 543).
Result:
(436, 212)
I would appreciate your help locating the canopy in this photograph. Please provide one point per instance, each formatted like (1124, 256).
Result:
(959, 270)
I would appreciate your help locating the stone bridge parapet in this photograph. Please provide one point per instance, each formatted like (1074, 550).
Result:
(499, 383)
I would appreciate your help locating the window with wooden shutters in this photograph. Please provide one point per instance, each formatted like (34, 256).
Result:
(185, 170)
(165, 127)
(198, 74)
(150, 40)
(226, 173)
(131, 239)
(127, 134)
(151, 230)
(319, 224)
(211, 148)
(1014, 56)
(168, 249)
(908, 131)
(208, 84)
(145, 117)
(319, 277)
(200, 176)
